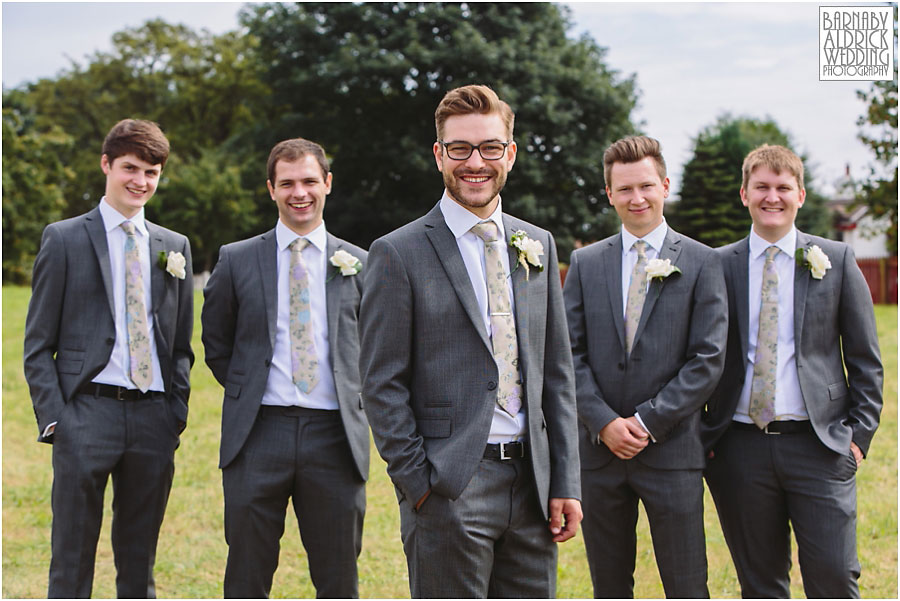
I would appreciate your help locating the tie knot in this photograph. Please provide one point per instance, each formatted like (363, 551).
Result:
(487, 231)
(641, 247)
(298, 245)
(770, 253)
(128, 227)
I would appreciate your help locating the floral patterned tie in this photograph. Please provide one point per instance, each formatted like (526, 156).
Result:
(304, 361)
(765, 364)
(637, 292)
(140, 364)
(503, 326)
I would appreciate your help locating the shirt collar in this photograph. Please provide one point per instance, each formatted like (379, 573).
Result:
(787, 245)
(655, 238)
(460, 220)
(113, 219)
(285, 235)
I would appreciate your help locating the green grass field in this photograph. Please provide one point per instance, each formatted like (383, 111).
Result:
(191, 556)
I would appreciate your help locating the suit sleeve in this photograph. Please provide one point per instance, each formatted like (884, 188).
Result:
(218, 318)
(593, 409)
(182, 353)
(559, 402)
(688, 391)
(862, 358)
(48, 287)
(385, 328)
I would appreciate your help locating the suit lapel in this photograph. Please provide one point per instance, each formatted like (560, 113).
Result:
(671, 249)
(738, 271)
(267, 250)
(612, 266)
(447, 251)
(97, 234)
(520, 291)
(157, 275)
(333, 289)
(801, 284)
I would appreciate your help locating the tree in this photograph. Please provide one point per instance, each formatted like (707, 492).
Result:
(710, 208)
(880, 134)
(364, 79)
(33, 182)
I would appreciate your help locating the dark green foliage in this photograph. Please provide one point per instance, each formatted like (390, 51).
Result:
(710, 209)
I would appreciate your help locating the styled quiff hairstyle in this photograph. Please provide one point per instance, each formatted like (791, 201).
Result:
(468, 100)
(776, 158)
(294, 150)
(631, 150)
(141, 138)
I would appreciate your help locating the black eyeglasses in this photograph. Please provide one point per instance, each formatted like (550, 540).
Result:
(461, 151)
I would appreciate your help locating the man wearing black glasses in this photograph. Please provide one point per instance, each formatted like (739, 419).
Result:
(467, 374)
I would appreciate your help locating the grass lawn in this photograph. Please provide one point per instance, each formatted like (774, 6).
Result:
(192, 550)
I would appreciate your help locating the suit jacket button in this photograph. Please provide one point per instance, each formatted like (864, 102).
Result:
(110, 341)
(492, 385)
(621, 366)
(268, 363)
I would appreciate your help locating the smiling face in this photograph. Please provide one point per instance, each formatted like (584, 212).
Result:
(475, 183)
(130, 182)
(638, 195)
(299, 190)
(773, 200)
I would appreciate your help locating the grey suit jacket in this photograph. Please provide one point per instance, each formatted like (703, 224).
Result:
(70, 329)
(833, 319)
(429, 376)
(239, 317)
(677, 355)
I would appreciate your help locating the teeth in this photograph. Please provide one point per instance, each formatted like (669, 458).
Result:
(475, 180)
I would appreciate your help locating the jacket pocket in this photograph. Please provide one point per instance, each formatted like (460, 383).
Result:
(837, 391)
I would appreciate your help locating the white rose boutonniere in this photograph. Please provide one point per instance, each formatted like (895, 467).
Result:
(528, 251)
(173, 263)
(347, 263)
(815, 260)
(660, 268)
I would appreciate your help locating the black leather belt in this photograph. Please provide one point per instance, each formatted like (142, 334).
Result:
(296, 411)
(117, 392)
(783, 427)
(505, 451)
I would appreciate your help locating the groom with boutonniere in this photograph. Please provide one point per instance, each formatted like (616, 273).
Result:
(647, 319)
(280, 332)
(108, 359)
(800, 398)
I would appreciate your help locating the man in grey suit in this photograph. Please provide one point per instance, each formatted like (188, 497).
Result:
(785, 428)
(280, 333)
(467, 374)
(648, 321)
(108, 359)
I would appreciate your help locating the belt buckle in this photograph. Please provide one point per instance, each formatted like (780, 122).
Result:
(504, 456)
(766, 430)
(119, 393)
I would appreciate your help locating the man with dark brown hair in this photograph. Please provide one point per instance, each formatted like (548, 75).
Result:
(108, 359)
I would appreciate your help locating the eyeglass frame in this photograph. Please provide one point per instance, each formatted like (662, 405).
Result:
(473, 148)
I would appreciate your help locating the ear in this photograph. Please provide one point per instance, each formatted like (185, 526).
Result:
(438, 151)
(328, 184)
(271, 189)
(744, 200)
(802, 197)
(665, 188)
(511, 151)
(609, 196)
(105, 165)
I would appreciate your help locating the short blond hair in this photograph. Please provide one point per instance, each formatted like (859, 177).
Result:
(473, 99)
(631, 150)
(776, 158)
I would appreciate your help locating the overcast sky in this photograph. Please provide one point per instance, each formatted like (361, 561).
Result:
(693, 61)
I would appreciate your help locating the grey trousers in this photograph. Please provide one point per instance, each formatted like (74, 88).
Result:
(134, 442)
(764, 484)
(302, 455)
(492, 541)
(673, 500)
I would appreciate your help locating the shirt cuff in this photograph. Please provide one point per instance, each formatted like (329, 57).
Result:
(643, 425)
(48, 431)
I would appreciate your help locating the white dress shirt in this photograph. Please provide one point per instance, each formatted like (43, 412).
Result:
(788, 397)
(504, 427)
(117, 371)
(280, 388)
(654, 242)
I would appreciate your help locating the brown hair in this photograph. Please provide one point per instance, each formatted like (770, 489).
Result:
(144, 139)
(294, 150)
(469, 100)
(776, 158)
(631, 150)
